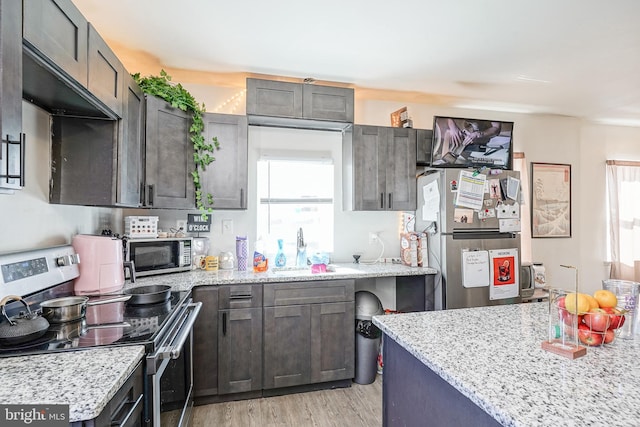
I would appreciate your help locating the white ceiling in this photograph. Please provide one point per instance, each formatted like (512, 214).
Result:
(571, 57)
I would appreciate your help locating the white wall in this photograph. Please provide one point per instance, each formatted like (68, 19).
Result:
(598, 143)
(28, 220)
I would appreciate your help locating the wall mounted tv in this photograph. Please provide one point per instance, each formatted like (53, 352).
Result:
(471, 143)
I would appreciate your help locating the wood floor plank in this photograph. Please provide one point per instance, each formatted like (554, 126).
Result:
(355, 406)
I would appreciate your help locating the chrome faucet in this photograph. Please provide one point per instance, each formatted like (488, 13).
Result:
(301, 254)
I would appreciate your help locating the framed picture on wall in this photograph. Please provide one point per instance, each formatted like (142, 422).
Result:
(550, 200)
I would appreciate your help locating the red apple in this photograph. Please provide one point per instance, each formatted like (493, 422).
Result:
(589, 337)
(616, 317)
(609, 336)
(561, 302)
(570, 319)
(597, 319)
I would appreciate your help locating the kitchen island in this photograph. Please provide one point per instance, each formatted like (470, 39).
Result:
(485, 366)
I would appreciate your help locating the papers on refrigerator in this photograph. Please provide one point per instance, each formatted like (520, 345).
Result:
(475, 269)
(471, 190)
(504, 280)
(431, 201)
(509, 225)
(513, 187)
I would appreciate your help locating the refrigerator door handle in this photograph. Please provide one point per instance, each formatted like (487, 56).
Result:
(484, 234)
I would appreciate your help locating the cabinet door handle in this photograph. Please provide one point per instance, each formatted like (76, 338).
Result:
(8, 165)
(242, 198)
(150, 193)
(143, 197)
(22, 153)
(390, 201)
(23, 156)
(381, 200)
(224, 324)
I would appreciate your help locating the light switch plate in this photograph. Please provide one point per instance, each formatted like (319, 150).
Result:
(227, 226)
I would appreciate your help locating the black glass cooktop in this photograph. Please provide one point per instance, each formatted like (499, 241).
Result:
(107, 324)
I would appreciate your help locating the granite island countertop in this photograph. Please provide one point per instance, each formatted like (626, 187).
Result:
(187, 280)
(493, 356)
(83, 379)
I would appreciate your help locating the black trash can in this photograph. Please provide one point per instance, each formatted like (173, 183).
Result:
(368, 337)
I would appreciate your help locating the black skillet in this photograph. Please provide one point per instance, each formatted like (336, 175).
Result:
(145, 295)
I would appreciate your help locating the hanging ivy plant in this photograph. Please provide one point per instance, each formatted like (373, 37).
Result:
(176, 95)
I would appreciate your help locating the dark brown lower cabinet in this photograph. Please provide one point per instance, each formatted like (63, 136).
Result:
(308, 333)
(332, 342)
(239, 338)
(287, 346)
(239, 350)
(205, 342)
(253, 337)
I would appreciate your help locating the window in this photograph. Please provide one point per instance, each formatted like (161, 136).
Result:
(296, 192)
(623, 203)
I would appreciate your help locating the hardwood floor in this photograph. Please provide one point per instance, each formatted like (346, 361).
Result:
(355, 406)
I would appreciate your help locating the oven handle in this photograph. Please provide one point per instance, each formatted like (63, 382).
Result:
(173, 351)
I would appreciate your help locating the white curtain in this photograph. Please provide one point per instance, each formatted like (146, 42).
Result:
(623, 189)
(520, 165)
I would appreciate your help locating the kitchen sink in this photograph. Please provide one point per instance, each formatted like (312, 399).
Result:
(291, 271)
(346, 270)
(303, 271)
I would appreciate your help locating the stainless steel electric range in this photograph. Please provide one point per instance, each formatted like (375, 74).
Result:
(164, 329)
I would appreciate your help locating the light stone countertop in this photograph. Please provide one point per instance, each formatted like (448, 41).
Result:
(87, 379)
(83, 379)
(187, 280)
(493, 356)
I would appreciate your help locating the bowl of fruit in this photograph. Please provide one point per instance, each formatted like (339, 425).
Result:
(592, 320)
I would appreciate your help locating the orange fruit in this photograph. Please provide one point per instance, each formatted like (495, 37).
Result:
(605, 298)
(593, 303)
(577, 303)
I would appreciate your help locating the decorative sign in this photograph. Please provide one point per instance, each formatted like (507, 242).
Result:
(400, 118)
(196, 224)
(504, 275)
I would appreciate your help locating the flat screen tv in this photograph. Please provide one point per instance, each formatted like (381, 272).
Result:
(471, 143)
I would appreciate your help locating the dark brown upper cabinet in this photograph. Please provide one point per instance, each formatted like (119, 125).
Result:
(379, 168)
(297, 105)
(168, 156)
(12, 145)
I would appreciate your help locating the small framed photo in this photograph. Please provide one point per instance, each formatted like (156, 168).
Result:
(550, 200)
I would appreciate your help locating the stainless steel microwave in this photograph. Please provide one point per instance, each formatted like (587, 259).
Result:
(159, 256)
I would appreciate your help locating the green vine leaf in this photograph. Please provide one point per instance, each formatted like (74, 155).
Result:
(176, 95)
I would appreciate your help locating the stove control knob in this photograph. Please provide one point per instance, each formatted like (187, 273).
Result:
(67, 260)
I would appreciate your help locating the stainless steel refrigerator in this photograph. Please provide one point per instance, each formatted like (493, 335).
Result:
(466, 243)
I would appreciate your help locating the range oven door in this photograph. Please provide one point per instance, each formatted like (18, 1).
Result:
(169, 385)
